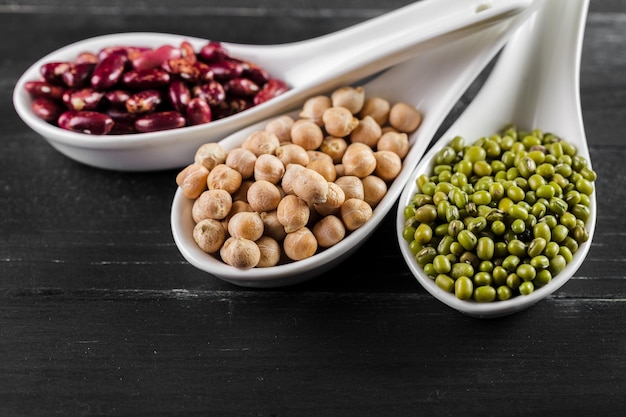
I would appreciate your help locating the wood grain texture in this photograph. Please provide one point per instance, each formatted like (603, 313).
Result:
(100, 315)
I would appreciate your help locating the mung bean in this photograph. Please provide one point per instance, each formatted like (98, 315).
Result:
(502, 216)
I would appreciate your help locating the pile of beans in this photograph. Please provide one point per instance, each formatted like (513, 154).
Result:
(502, 216)
(299, 185)
(130, 89)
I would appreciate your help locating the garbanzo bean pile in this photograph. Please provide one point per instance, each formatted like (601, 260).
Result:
(299, 185)
(502, 216)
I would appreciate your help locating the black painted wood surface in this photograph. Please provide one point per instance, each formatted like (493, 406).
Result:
(101, 316)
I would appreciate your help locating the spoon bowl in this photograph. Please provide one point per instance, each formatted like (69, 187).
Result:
(432, 81)
(309, 67)
(534, 84)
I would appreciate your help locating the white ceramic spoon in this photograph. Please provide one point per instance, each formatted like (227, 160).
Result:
(433, 81)
(535, 84)
(309, 67)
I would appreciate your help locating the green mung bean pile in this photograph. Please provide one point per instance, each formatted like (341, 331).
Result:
(502, 216)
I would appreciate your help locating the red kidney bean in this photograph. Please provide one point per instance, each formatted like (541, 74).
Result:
(90, 122)
(78, 74)
(52, 72)
(86, 57)
(108, 71)
(163, 88)
(179, 95)
(47, 109)
(198, 111)
(117, 98)
(213, 52)
(241, 87)
(44, 89)
(154, 57)
(226, 70)
(160, 121)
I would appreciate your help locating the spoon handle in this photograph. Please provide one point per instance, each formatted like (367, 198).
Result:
(381, 42)
(540, 66)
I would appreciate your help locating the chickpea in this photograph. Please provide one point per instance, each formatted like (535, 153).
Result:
(314, 108)
(334, 147)
(293, 213)
(334, 200)
(209, 235)
(211, 204)
(307, 134)
(242, 191)
(281, 127)
(292, 172)
(192, 180)
(272, 226)
(397, 142)
(263, 196)
(404, 117)
(224, 177)
(246, 224)
(210, 154)
(290, 153)
(240, 253)
(261, 142)
(268, 167)
(339, 121)
(352, 186)
(329, 231)
(314, 155)
(359, 160)
(352, 98)
(388, 165)
(376, 107)
(300, 244)
(325, 167)
(367, 132)
(237, 207)
(374, 189)
(355, 213)
(270, 251)
(309, 185)
(241, 160)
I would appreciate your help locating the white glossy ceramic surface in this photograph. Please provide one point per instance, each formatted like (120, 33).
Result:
(309, 67)
(433, 82)
(535, 84)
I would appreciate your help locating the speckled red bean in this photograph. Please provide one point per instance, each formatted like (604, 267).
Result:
(212, 92)
(273, 88)
(129, 81)
(242, 87)
(89, 122)
(144, 101)
(83, 99)
(160, 121)
(145, 79)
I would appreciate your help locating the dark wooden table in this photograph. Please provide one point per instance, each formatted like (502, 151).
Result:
(100, 315)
